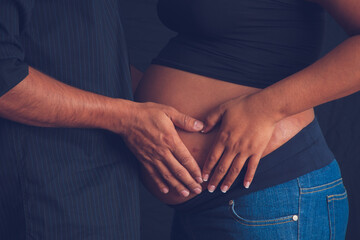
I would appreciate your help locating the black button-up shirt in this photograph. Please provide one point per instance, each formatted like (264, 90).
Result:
(80, 43)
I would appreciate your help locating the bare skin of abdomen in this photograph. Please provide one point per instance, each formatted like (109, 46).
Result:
(196, 95)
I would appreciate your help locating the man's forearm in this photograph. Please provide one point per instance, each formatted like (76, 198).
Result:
(40, 100)
(334, 76)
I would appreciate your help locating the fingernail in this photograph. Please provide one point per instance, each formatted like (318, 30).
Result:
(247, 184)
(206, 177)
(197, 190)
(211, 188)
(224, 189)
(199, 180)
(164, 190)
(198, 125)
(185, 193)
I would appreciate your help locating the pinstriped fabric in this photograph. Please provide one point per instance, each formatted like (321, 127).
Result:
(66, 183)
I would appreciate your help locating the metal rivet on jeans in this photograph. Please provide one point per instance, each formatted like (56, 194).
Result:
(295, 218)
(231, 202)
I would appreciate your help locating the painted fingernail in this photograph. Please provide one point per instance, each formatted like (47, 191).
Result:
(198, 125)
(164, 190)
(199, 180)
(247, 184)
(197, 190)
(211, 188)
(224, 189)
(206, 177)
(203, 130)
(185, 193)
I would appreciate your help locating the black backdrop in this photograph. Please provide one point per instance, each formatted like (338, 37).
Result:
(339, 120)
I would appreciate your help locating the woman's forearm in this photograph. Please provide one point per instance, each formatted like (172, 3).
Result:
(334, 76)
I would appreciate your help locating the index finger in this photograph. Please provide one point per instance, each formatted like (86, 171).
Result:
(182, 154)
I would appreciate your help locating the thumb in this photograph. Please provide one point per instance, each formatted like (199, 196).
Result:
(186, 122)
(212, 119)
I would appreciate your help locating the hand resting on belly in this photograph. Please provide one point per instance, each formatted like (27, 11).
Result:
(198, 96)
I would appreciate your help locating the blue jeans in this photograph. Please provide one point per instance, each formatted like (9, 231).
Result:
(313, 206)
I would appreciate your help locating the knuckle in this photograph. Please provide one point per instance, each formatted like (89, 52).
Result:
(168, 139)
(251, 147)
(221, 170)
(186, 160)
(161, 152)
(180, 173)
(186, 120)
(235, 170)
(212, 159)
(233, 145)
(223, 137)
(241, 145)
(167, 177)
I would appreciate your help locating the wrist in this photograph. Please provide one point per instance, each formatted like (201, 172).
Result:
(117, 115)
(268, 105)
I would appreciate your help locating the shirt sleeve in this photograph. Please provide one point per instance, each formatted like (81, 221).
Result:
(14, 16)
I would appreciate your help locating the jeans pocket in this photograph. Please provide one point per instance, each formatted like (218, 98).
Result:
(261, 222)
(338, 210)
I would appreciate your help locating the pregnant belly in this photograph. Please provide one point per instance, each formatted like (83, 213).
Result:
(196, 95)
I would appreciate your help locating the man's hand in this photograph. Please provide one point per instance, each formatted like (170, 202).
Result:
(149, 131)
(148, 128)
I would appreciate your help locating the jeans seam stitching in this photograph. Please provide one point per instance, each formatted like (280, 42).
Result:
(337, 195)
(255, 222)
(322, 189)
(330, 218)
(337, 199)
(267, 221)
(310, 188)
(262, 225)
(333, 203)
(299, 214)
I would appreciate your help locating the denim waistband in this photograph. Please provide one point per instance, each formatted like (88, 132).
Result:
(305, 152)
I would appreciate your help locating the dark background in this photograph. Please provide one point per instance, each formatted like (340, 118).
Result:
(339, 119)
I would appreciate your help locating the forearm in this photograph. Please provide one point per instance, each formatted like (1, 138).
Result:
(40, 100)
(334, 76)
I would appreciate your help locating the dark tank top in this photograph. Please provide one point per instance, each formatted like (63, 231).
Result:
(253, 43)
(249, 42)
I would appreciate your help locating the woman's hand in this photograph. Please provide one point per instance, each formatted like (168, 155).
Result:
(245, 131)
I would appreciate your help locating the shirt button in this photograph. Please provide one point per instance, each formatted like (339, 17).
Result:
(295, 218)
(231, 202)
